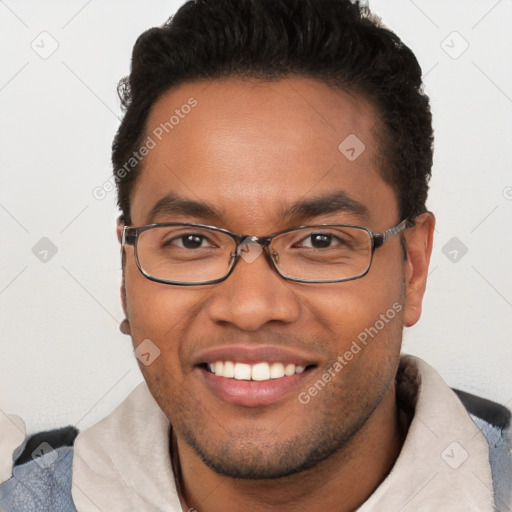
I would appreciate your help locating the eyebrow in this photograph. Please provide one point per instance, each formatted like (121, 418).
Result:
(336, 202)
(173, 205)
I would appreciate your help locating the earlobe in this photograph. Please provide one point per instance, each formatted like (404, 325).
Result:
(124, 327)
(419, 241)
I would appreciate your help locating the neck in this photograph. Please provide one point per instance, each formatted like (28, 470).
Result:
(343, 482)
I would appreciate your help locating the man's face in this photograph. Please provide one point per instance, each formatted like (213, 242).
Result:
(251, 150)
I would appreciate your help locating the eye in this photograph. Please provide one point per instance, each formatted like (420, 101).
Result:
(187, 241)
(318, 240)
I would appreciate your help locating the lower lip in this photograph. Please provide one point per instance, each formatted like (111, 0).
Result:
(251, 393)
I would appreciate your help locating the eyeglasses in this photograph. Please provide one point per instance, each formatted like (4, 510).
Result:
(186, 254)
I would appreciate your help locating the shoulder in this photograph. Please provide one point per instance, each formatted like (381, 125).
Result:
(41, 474)
(491, 412)
(421, 388)
(107, 462)
(494, 421)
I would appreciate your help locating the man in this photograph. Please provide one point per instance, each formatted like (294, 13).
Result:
(272, 169)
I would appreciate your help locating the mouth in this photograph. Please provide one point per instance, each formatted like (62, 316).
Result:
(254, 376)
(260, 372)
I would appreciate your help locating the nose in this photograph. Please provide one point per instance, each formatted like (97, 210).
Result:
(254, 294)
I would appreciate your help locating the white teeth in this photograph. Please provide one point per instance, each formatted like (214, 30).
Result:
(242, 371)
(277, 371)
(228, 370)
(289, 369)
(258, 372)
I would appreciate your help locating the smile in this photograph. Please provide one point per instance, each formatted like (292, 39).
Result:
(252, 375)
(259, 372)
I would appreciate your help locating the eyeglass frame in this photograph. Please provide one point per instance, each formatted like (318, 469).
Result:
(130, 236)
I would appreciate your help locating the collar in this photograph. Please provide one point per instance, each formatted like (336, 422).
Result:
(444, 462)
(443, 465)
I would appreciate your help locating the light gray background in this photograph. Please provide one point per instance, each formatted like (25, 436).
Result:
(62, 358)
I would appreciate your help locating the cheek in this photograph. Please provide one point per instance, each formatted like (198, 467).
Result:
(364, 317)
(156, 311)
(365, 331)
(164, 315)
(351, 307)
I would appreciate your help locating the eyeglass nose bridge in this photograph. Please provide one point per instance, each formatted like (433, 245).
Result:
(249, 248)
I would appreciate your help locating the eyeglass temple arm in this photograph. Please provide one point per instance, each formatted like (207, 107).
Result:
(381, 238)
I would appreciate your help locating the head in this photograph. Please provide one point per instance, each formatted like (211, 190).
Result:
(238, 114)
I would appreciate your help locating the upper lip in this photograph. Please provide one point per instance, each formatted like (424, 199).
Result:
(252, 354)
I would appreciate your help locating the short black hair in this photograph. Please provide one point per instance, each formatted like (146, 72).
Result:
(338, 42)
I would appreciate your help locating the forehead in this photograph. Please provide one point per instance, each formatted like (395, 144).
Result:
(250, 148)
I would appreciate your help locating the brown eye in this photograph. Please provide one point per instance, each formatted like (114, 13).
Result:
(187, 241)
(192, 241)
(320, 240)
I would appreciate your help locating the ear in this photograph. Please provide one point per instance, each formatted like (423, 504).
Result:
(119, 231)
(119, 227)
(419, 241)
